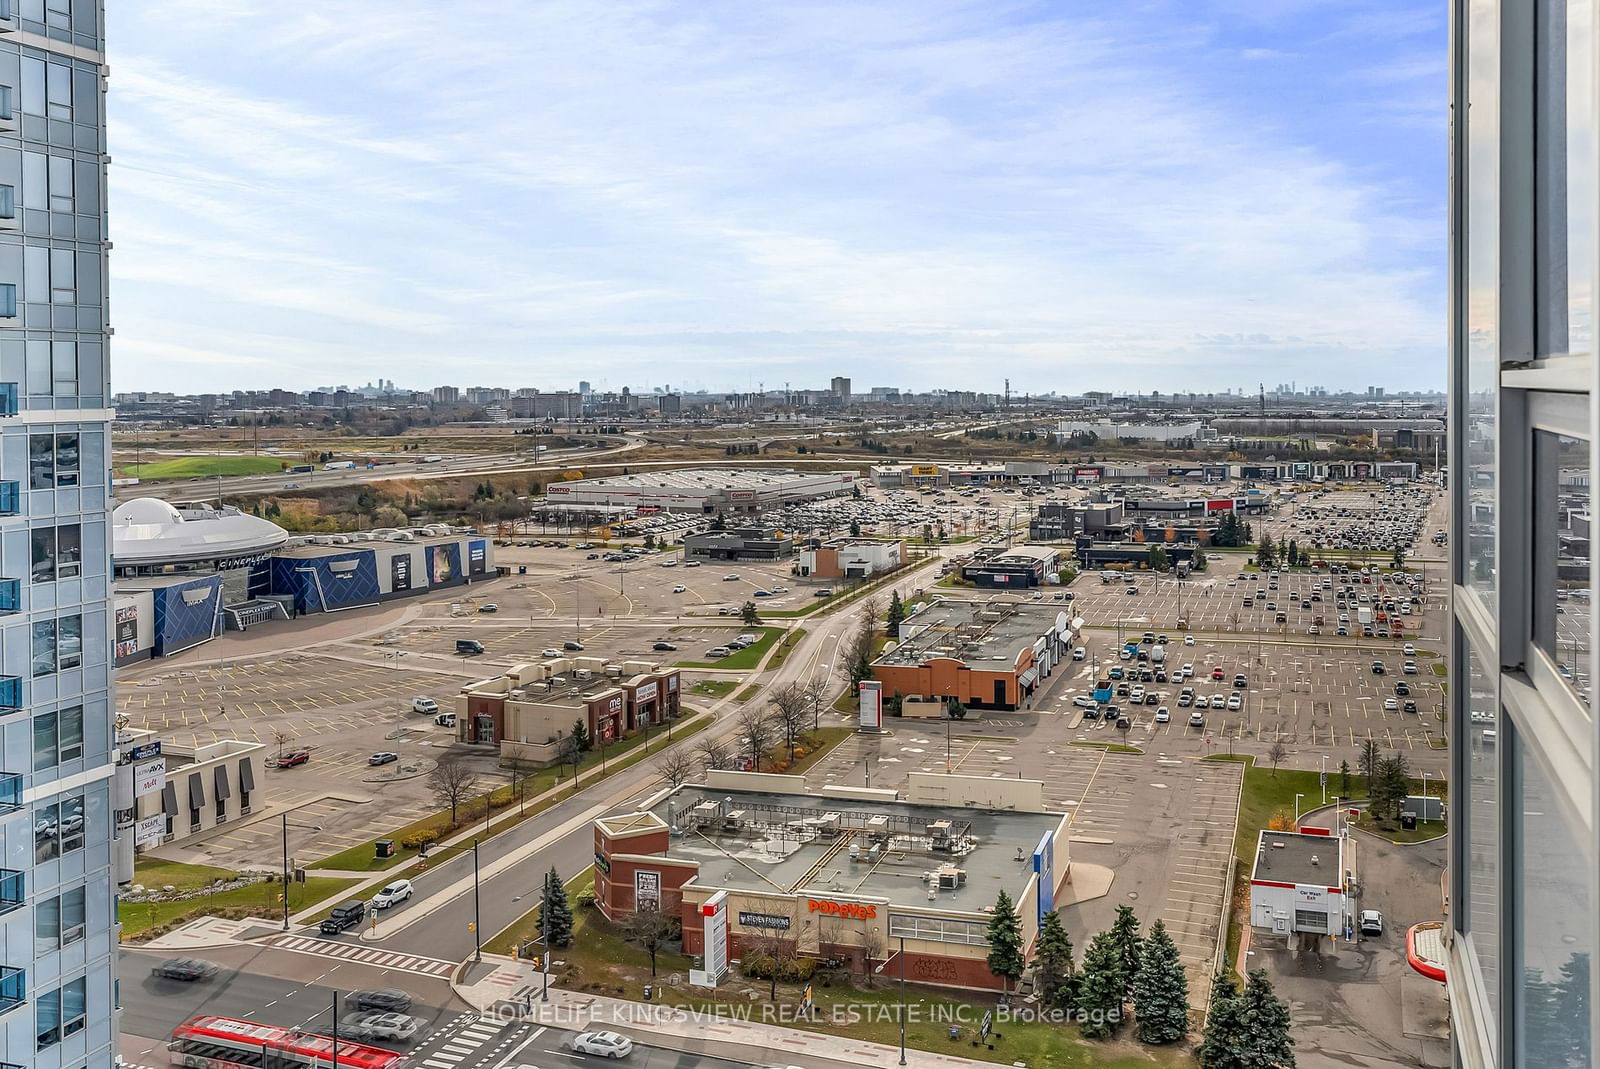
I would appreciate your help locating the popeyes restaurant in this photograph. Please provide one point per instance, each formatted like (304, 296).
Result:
(841, 878)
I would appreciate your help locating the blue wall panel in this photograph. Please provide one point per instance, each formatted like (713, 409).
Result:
(186, 613)
(339, 580)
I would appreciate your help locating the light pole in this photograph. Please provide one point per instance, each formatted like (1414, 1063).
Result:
(1324, 779)
(1297, 811)
(544, 930)
(477, 915)
(902, 1000)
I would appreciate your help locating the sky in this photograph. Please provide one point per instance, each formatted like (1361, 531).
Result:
(1191, 195)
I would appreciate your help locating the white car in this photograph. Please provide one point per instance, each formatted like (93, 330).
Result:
(426, 706)
(1188, 670)
(679, 589)
(1235, 703)
(389, 1026)
(731, 577)
(392, 895)
(1188, 640)
(1371, 922)
(605, 1044)
(1409, 649)
(1079, 653)
(1163, 715)
(1197, 719)
(549, 651)
(1083, 701)
(1218, 702)
(1136, 695)
(1390, 705)
(1409, 668)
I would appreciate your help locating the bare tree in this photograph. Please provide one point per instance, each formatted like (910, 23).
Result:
(872, 950)
(790, 711)
(816, 692)
(451, 783)
(756, 732)
(650, 930)
(774, 940)
(674, 767)
(1276, 753)
(569, 751)
(714, 754)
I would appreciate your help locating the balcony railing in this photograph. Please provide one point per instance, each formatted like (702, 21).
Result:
(12, 890)
(13, 987)
(8, 398)
(10, 693)
(10, 596)
(10, 792)
(10, 497)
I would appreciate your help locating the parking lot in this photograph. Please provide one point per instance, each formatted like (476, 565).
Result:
(1373, 521)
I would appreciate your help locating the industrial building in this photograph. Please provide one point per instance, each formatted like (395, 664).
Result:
(1105, 430)
(1014, 568)
(1300, 886)
(756, 861)
(704, 490)
(849, 558)
(739, 543)
(528, 710)
(987, 654)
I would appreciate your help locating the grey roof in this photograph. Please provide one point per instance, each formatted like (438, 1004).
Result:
(1294, 857)
(991, 634)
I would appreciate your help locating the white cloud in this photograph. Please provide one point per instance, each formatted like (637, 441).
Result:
(653, 191)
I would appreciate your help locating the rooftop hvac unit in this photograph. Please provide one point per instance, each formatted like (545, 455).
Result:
(558, 681)
(828, 824)
(734, 820)
(951, 877)
(705, 813)
(855, 851)
(878, 826)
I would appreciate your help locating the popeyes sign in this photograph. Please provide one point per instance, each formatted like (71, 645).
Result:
(860, 911)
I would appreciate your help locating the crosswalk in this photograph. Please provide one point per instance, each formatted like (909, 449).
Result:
(465, 1041)
(365, 955)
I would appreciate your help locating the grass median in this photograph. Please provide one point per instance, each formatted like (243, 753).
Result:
(507, 804)
(200, 467)
(741, 660)
(714, 688)
(146, 920)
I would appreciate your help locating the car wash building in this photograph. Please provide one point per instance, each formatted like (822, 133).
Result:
(1299, 885)
(841, 874)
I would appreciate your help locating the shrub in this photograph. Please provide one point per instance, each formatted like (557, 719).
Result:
(419, 839)
(759, 965)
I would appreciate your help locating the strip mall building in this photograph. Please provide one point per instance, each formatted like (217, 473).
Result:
(842, 873)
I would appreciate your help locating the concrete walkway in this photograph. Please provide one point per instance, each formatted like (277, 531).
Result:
(503, 987)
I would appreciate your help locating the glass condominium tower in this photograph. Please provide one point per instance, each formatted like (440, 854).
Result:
(58, 929)
(1523, 862)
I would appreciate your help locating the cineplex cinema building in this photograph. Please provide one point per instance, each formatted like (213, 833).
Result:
(845, 873)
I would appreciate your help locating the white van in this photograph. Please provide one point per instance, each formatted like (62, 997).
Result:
(426, 706)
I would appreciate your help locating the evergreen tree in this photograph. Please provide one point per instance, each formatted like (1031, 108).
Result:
(580, 736)
(1056, 971)
(556, 918)
(896, 615)
(1388, 792)
(1161, 990)
(1100, 987)
(1226, 1044)
(1265, 1018)
(1344, 779)
(749, 615)
(1249, 532)
(1005, 941)
(1125, 936)
(1367, 759)
(1266, 553)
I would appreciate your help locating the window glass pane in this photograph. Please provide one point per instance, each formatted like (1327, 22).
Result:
(69, 550)
(60, 184)
(41, 461)
(1480, 916)
(44, 740)
(44, 659)
(1561, 532)
(1555, 931)
(1482, 290)
(72, 824)
(47, 925)
(69, 642)
(44, 554)
(73, 999)
(1581, 186)
(36, 288)
(45, 843)
(63, 289)
(47, 1019)
(58, 91)
(71, 721)
(66, 460)
(64, 365)
(32, 86)
(35, 190)
(73, 915)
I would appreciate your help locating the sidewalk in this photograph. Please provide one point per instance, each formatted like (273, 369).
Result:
(504, 987)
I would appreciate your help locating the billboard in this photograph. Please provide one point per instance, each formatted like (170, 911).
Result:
(127, 635)
(1044, 863)
(924, 470)
(477, 556)
(400, 572)
(150, 830)
(149, 777)
(444, 564)
(1220, 504)
(871, 705)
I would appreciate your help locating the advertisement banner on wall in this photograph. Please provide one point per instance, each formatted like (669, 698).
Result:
(871, 705)
(127, 640)
(646, 892)
(444, 564)
(1044, 864)
(150, 830)
(149, 777)
(400, 572)
(477, 557)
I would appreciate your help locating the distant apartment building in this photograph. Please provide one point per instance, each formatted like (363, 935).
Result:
(840, 386)
(446, 395)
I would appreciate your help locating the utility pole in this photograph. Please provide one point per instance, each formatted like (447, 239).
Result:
(477, 914)
(285, 870)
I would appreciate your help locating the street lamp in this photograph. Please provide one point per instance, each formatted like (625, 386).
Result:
(477, 914)
(902, 1000)
(1297, 811)
(303, 827)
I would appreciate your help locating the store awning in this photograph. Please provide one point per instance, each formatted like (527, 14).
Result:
(169, 799)
(223, 790)
(1028, 678)
(197, 792)
(247, 775)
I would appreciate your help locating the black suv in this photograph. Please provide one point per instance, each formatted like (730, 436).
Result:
(347, 915)
(389, 1001)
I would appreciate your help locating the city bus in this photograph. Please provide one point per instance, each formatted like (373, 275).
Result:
(210, 1042)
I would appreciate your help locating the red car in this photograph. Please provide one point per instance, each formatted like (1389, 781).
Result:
(1216, 673)
(294, 757)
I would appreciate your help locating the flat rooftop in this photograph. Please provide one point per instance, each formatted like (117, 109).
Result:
(777, 846)
(706, 479)
(994, 631)
(1023, 555)
(1287, 857)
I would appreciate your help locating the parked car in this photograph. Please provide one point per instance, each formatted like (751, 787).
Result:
(293, 758)
(731, 577)
(718, 651)
(1235, 702)
(1409, 705)
(387, 1000)
(1219, 701)
(691, 564)
(663, 646)
(488, 607)
(468, 647)
(392, 894)
(1378, 668)
(445, 720)
(1371, 922)
(763, 594)
(1197, 719)
(1217, 673)
(346, 915)
(679, 589)
(573, 647)
(1163, 714)
(605, 1044)
(1409, 649)
(823, 593)
(1409, 668)
(1083, 701)
(1391, 705)
(187, 970)
(383, 757)
(549, 651)
(425, 706)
